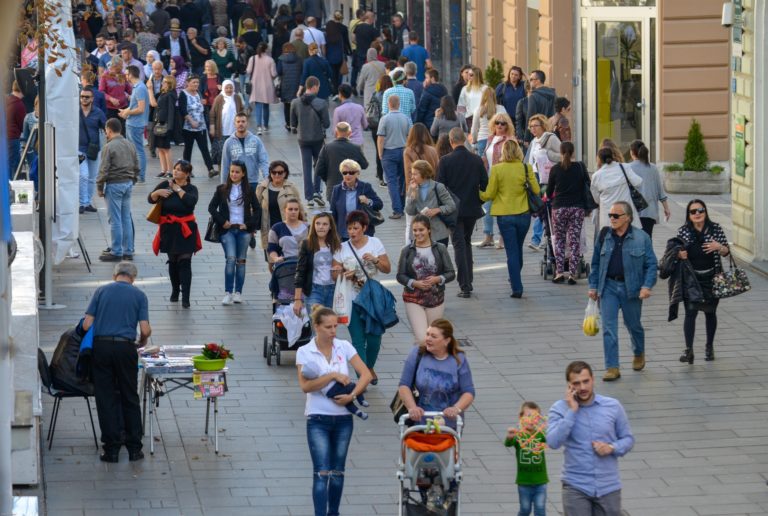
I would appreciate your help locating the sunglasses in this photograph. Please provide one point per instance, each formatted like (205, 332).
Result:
(616, 215)
(87, 97)
(349, 173)
(534, 125)
(697, 211)
(501, 122)
(280, 172)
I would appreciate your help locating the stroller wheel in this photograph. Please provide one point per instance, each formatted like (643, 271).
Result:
(277, 355)
(266, 343)
(270, 350)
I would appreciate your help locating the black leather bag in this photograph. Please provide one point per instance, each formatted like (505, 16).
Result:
(589, 200)
(535, 202)
(637, 198)
(212, 232)
(451, 219)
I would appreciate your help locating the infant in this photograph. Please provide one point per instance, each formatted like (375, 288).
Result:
(311, 371)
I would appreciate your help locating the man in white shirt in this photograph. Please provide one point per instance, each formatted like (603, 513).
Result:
(313, 35)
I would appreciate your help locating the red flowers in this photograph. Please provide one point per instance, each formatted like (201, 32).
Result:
(215, 351)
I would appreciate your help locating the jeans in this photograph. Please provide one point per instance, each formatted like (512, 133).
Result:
(480, 147)
(535, 496)
(309, 154)
(367, 345)
(118, 198)
(487, 219)
(136, 137)
(394, 172)
(261, 111)
(14, 155)
(321, 295)
(89, 169)
(462, 251)
(577, 503)
(614, 296)
(235, 243)
(513, 229)
(538, 231)
(328, 438)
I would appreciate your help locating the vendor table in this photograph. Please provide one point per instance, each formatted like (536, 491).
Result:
(169, 370)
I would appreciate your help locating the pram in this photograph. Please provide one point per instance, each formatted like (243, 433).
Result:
(281, 286)
(429, 469)
(548, 265)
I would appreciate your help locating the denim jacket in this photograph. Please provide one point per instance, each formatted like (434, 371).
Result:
(638, 259)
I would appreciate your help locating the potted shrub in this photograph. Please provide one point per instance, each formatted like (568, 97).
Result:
(695, 175)
(494, 73)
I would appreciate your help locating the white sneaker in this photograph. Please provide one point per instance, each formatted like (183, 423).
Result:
(265, 129)
(258, 131)
(237, 298)
(227, 299)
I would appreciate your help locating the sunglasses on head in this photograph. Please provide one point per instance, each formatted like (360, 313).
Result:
(616, 215)
(349, 173)
(697, 211)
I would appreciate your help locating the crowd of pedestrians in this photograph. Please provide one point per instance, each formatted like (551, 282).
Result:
(447, 159)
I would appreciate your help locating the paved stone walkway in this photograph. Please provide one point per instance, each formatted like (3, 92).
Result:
(701, 430)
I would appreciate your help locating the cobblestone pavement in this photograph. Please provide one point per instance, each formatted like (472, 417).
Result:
(701, 430)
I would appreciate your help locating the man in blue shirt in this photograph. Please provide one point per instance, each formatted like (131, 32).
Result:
(136, 116)
(92, 122)
(114, 312)
(595, 432)
(418, 54)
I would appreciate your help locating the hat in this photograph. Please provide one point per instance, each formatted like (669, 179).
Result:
(175, 25)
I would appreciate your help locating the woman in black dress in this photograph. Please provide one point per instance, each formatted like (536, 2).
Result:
(177, 234)
(164, 114)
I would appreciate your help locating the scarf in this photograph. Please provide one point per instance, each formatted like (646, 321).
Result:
(186, 231)
(228, 110)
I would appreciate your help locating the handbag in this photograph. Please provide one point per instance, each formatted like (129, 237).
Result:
(730, 283)
(375, 218)
(637, 198)
(589, 200)
(160, 129)
(535, 202)
(212, 232)
(451, 219)
(397, 405)
(344, 70)
(153, 215)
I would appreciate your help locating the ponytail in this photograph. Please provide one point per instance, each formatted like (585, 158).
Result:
(639, 149)
(566, 153)
(605, 155)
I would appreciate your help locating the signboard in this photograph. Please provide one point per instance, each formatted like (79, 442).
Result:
(209, 384)
(740, 146)
(738, 28)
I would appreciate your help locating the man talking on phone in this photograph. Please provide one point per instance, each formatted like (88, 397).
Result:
(595, 432)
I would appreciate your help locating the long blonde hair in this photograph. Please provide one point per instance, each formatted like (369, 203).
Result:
(476, 82)
(487, 104)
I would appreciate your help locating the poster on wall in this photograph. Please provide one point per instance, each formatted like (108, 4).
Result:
(740, 159)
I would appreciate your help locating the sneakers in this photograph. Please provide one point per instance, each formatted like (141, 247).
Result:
(319, 200)
(571, 280)
(227, 299)
(311, 203)
(237, 298)
(265, 129)
(382, 182)
(638, 363)
(611, 374)
(486, 243)
(534, 247)
(258, 131)
(396, 216)
(110, 258)
(212, 173)
(90, 209)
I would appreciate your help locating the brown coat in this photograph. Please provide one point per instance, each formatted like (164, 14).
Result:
(218, 105)
(288, 191)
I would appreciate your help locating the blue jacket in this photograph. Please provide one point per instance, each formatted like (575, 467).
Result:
(377, 307)
(253, 154)
(508, 96)
(639, 261)
(429, 102)
(339, 205)
(319, 67)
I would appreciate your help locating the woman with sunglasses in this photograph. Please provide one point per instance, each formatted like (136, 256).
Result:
(236, 214)
(352, 192)
(502, 131)
(177, 234)
(272, 194)
(705, 244)
(543, 153)
(313, 271)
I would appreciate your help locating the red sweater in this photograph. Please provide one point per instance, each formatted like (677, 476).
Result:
(15, 113)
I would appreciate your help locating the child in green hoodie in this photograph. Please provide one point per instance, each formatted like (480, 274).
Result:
(529, 442)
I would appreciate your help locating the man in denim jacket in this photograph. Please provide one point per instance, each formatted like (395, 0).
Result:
(623, 273)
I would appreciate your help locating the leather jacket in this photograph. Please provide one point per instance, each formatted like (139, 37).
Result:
(683, 285)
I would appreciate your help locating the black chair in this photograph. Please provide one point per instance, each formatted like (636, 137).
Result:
(58, 395)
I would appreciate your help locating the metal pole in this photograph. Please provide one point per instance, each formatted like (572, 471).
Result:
(6, 400)
(42, 143)
(48, 179)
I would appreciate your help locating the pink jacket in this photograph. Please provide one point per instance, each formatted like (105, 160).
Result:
(262, 71)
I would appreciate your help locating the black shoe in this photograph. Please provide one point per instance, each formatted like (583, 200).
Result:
(709, 354)
(571, 280)
(516, 295)
(687, 356)
(252, 243)
(82, 210)
(161, 174)
(185, 304)
(128, 257)
(109, 457)
(109, 257)
(108, 250)
(464, 293)
(91, 209)
(174, 297)
(135, 455)
(212, 173)
(560, 278)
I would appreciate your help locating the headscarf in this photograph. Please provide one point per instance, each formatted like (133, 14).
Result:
(372, 55)
(148, 66)
(229, 109)
(181, 66)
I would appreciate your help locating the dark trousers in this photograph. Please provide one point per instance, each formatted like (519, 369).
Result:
(462, 251)
(201, 137)
(287, 113)
(112, 113)
(358, 60)
(335, 77)
(648, 224)
(379, 168)
(117, 398)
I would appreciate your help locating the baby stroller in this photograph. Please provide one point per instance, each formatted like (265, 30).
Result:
(281, 286)
(548, 265)
(429, 468)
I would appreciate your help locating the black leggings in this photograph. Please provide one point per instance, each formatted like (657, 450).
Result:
(287, 113)
(201, 137)
(689, 327)
(379, 168)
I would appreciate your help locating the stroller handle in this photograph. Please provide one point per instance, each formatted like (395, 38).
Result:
(432, 413)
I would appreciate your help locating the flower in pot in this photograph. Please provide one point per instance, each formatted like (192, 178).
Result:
(214, 357)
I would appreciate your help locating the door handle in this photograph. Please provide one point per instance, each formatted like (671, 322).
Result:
(641, 104)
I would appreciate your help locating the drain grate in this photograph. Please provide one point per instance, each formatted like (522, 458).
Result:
(465, 343)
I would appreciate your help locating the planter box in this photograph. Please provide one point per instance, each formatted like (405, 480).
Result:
(687, 182)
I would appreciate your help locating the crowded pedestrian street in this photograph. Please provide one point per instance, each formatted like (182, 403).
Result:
(700, 429)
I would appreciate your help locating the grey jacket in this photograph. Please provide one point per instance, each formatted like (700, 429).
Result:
(119, 163)
(310, 114)
(435, 191)
(441, 125)
(406, 273)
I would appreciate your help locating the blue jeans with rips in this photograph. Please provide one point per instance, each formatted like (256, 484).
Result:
(118, 198)
(136, 136)
(394, 172)
(614, 296)
(532, 497)
(235, 244)
(328, 438)
(513, 229)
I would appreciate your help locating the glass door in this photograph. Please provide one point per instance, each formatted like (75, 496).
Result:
(618, 74)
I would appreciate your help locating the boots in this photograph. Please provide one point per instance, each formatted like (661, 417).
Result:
(173, 273)
(710, 352)
(687, 355)
(185, 280)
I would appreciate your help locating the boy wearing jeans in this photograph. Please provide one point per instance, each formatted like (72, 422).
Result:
(529, 442)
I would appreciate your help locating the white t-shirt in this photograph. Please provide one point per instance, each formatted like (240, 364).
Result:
(348, 260)
(322, 264)
(317, 402)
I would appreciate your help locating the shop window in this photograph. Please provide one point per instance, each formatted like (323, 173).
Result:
(618, 3)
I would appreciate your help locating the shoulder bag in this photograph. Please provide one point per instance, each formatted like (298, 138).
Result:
(730, 283)
(373, 111)
(397, 406)
(535, 202)
(589, 201)
(375, 218)
(637, 198)
(153, 215)
(451, 219)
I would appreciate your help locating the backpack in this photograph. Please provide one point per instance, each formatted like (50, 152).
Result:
(373, 111)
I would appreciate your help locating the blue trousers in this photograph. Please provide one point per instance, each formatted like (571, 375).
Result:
(328, 438)
(235, 243)
(118, 197)
(532, 497)
(136, 136)
(89, 169)
(394, 172)
(614, 296)
(513, 229)
(261, 110)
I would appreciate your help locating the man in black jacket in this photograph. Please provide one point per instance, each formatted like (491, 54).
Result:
(464, 174)
(173, 45)
(430, 97)
(333, 153)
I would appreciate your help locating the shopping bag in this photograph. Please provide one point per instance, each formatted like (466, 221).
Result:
(342, 299)
(591, 324)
